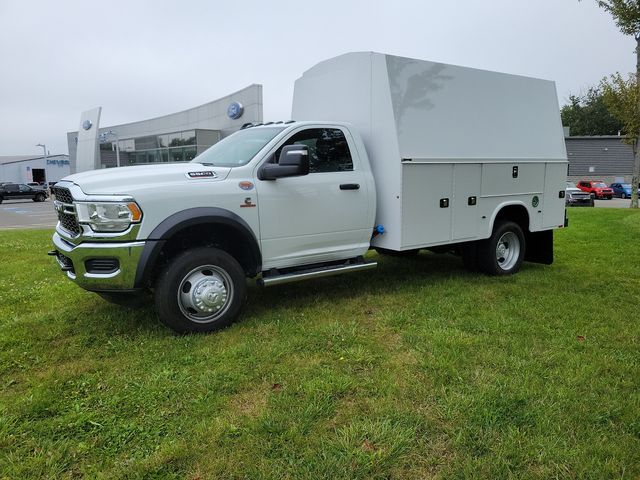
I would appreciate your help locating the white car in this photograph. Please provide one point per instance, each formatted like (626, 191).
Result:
(574, 197)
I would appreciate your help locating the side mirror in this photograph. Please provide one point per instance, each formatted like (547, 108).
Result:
(293, 162)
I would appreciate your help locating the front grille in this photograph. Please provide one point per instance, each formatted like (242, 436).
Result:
(102, 265)
(62, 194)
(69, 222)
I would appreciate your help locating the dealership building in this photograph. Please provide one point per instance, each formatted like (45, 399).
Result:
(177, 137)
(34, 168)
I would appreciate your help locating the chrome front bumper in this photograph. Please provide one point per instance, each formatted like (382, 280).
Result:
(72, 259)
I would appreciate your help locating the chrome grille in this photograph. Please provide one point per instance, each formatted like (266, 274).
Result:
(62, 194)
(68, 220)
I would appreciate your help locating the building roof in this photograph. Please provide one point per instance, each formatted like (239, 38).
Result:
(23, 158)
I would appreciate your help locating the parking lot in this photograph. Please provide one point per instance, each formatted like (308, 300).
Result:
(27, 214)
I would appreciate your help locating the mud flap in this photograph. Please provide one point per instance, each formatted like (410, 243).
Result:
(539, 247)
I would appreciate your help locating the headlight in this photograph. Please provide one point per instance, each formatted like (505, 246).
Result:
(108, 216)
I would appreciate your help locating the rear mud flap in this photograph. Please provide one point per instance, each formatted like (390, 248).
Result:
(539, 247)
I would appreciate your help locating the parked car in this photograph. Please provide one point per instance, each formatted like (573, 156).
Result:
(574, 197)
(596, 187)
(622, 190)
(19, 191)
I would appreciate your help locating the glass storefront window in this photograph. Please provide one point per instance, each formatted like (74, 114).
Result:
(127, 145)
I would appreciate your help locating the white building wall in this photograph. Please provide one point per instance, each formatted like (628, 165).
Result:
(20, 171)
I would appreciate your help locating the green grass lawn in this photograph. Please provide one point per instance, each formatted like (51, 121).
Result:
(415, 370)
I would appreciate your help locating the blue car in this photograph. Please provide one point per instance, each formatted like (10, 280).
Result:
(622, 190)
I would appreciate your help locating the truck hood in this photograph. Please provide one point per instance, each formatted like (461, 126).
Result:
(124, 180)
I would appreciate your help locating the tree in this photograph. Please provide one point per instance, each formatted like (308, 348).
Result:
(588, 115)
(626, 14)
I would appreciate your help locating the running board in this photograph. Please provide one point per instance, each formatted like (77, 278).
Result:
(314, 273)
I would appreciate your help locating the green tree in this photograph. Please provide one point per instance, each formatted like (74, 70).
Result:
(626, 14)
(588, 115)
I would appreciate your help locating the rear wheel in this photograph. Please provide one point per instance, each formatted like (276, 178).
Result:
(503, 252)
(39, 197)
(200, 291)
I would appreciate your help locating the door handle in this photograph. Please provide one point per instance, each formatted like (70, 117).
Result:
(349, 186)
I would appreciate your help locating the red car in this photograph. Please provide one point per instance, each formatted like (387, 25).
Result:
(597, 187)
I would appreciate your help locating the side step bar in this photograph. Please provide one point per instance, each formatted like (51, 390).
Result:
(314, 273)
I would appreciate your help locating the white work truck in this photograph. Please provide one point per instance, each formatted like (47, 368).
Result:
(387, 152)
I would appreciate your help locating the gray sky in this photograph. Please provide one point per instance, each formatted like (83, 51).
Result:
(142, 59)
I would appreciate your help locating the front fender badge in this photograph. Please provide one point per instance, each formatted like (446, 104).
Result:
(248, 203)
(202, 174)
(246, 185)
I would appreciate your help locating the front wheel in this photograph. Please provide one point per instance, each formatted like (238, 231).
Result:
(39, 198)
(201, 290)
(503, 252)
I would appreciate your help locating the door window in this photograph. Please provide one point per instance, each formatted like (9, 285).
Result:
(328, 149)
(24, 188)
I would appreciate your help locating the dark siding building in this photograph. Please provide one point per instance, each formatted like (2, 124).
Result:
(604, 158)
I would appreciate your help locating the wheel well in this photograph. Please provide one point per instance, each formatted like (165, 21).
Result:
(222, 236)
(514, 213)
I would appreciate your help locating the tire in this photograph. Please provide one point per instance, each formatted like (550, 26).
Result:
(1, 199)
(503, 252)
(222, 285)
(39, 197)
(126, 299)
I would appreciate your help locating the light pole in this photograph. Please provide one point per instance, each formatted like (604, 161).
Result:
(44, 148)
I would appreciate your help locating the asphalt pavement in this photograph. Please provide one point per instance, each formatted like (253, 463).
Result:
(614, 203)
(27, 214)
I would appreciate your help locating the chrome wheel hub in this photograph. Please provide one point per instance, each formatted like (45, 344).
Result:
(508, 251)
(209, 295)
(205, 293)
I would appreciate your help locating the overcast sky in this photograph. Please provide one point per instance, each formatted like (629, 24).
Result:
(142, 59)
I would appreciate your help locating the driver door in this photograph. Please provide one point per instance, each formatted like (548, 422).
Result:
(319, 217)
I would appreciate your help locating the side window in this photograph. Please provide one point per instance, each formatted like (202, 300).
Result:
(328, 149)
(24, 188)
(11, 188)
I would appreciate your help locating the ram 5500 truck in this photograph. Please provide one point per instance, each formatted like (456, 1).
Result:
(391, 153)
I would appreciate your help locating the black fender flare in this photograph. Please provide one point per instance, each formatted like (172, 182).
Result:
(188, 218)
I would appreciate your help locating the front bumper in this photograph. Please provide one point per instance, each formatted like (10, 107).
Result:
(75, 260)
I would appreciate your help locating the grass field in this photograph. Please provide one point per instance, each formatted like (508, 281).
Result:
(415, 370)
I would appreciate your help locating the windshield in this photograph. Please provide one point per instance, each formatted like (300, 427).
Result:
(237, 149)
(571, 185)
(599, 185)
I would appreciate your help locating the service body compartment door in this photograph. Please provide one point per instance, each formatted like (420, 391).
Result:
(554, 205)
(426, 204)
(466, 195)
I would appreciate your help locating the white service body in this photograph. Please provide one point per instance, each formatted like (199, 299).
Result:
(434, 131)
